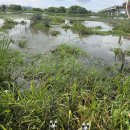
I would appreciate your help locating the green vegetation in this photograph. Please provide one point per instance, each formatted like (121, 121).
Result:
(81, 29)
(40, 23)
(15, 7)
(8, 24)
(23, 44)
(69, 91)
(98, 28)
(9, 60)
(123, 26)
(56, 9)
(77, 10)
(65, 26)
(57, 20)
(55, 33)
(71, 10)
(66, 84)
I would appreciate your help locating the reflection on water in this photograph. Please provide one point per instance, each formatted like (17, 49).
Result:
(104, 26)
(1, 22)
(41, 42)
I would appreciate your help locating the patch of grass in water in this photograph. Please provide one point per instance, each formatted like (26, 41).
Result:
(40, 23)
(98, 28)
(55, 33)
(81, 29)
(65, 26)
(8, 24)
(23, 44)
(57, 20)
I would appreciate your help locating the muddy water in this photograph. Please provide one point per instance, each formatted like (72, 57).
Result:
(97, 46)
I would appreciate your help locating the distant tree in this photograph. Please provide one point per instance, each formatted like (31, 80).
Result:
(51, 9)
(81, 10)
(77, 10)
(3, 7)
(37, 9)
(15, 7)
(62, 9)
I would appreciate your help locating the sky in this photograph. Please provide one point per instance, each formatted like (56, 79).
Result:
(94, 5)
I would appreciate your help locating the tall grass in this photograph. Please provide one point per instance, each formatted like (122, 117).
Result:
(9, 59)
(69, 91)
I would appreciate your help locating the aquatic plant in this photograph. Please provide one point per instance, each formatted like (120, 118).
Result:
(40, 23)
(23, 44)
(8, 24)
(57, 20)
(55, 33)
(65, 26)
(81, 29)
(98, 27)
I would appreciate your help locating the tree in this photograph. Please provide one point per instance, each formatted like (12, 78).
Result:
(37, 9)
(51, 9)
(3, 7)
(15, 7)
(77, 10)
(62, 9)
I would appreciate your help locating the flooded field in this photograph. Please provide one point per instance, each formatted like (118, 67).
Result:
(63, 68)
(42, 42)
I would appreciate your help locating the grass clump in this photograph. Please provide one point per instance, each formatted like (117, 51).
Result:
(9, 60)
(57, 20)
(81, 29)
(40, 23)
(121, 27)
(65, 26)
(8, 24)
(98, 28)
(55, 33)
(23, 44)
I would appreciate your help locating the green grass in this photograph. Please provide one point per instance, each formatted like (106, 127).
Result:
(9, 60)
(23, 44)
(81, 29)
(70, 91)
(8, 24)
(57, 20)
(55, 33)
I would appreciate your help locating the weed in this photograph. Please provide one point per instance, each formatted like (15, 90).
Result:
(55, 33)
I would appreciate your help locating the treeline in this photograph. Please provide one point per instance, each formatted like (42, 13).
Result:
(72, 10)
(11, 7)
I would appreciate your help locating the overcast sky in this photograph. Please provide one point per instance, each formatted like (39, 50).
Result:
(89, 4)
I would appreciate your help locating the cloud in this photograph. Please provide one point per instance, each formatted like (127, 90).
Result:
(84, 1)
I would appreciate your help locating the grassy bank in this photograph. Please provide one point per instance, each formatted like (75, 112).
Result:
(70, 88)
